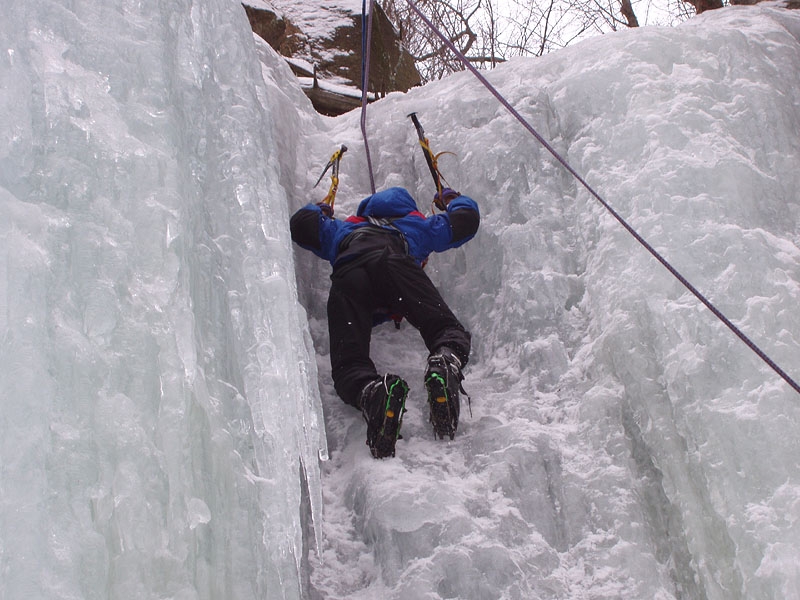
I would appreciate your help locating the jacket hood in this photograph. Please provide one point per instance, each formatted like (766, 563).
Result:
(391, 202)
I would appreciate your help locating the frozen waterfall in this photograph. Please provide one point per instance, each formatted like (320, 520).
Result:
(165, 359)
(159, 405)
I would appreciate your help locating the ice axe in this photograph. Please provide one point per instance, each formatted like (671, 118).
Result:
(333, 165)
(430, 158)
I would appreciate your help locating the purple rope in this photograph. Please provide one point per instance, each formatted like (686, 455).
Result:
(738, 332)
(364, 88)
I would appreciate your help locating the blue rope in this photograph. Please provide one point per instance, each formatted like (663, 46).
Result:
(363, 41)
(366, 43)
(728, 323)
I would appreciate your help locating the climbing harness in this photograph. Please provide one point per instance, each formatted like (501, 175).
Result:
(431, 158)
(366, 42)
(333, 165)
(707, 303)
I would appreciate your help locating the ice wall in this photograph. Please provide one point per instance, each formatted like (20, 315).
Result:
(159, 408)
(623, 443)
(159, 404)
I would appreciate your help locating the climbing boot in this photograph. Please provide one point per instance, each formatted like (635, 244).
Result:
(383, 404)
(443, 382)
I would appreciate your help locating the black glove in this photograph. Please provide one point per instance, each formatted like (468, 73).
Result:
(325, 209)
(442, 200)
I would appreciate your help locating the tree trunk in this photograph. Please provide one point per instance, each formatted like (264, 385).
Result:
(627, 12)
(703, 5)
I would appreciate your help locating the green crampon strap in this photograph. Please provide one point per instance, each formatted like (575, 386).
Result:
(389, 393)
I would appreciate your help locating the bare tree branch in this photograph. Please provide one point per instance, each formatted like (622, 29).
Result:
(489, 32)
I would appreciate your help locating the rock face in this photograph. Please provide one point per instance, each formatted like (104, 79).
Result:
(327, 57)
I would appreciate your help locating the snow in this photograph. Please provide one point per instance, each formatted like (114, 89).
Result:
(164, 347)
(342, 90)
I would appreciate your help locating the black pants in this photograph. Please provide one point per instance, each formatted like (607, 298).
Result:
(383, 281)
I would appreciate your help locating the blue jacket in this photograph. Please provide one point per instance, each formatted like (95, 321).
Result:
(323, 235)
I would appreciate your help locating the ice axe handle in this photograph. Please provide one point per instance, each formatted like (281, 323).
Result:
(415, 120)
(429, 158)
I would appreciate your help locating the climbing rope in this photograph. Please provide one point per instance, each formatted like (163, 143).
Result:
(366, 43)
(728, 323)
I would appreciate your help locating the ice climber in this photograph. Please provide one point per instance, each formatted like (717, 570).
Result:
(377, 257)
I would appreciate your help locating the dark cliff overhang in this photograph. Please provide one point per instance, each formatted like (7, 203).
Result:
(329, 68)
